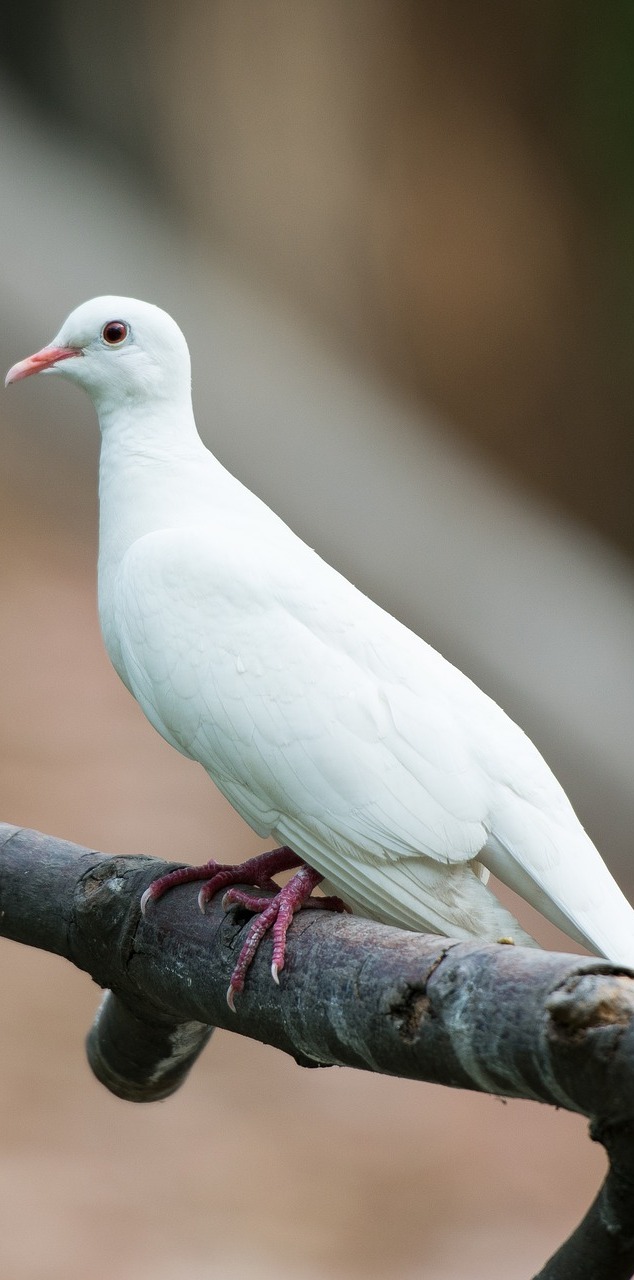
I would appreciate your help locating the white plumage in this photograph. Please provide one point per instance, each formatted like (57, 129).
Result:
(324, 721)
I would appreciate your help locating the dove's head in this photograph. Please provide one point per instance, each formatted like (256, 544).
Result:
(120, 350)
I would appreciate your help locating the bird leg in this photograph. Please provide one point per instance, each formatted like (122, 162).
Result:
(276, 912)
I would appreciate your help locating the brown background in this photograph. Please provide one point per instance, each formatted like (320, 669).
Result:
(443, 193)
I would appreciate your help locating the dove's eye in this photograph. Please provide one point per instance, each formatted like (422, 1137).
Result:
(115, 332)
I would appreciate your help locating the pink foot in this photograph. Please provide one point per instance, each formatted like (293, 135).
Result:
(275, 913)
(257, 871)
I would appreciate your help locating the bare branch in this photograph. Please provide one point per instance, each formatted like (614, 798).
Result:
(505, 1020)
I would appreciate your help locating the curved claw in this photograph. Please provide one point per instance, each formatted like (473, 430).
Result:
(146, 897)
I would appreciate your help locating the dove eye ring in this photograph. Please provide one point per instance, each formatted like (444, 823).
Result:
(115, 332)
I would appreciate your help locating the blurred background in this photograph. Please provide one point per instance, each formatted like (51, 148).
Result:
(398, 237)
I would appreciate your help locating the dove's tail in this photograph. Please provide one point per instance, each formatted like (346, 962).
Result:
(564, 877)
(414, 892)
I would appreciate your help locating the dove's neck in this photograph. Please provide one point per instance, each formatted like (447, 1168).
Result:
(154, 473)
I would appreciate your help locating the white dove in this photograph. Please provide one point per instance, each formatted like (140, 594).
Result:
(325, 722)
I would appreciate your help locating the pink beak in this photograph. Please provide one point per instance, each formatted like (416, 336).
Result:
(44, 359)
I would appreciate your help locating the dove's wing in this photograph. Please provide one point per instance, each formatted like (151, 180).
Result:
(330, 725)
(289, 700)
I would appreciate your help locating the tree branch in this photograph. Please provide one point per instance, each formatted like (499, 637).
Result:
(498, 1019)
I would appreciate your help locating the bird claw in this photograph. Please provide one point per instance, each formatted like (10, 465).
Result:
(276, 914)
(273, 913)
(145, 898)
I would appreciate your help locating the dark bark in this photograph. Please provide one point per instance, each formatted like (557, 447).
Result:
(500, 1019)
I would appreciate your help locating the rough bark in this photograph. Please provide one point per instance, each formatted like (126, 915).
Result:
(500, 1019)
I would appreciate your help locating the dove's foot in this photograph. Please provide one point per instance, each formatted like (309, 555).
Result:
(217, 875)
(275, 913)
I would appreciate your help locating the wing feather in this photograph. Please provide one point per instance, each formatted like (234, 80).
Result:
(325, 722)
